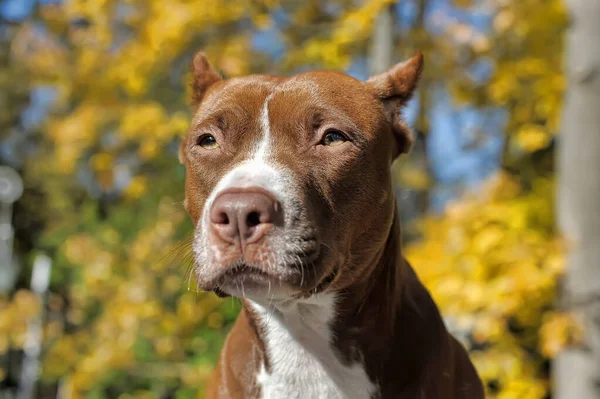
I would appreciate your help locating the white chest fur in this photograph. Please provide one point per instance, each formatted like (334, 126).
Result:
(302, 360)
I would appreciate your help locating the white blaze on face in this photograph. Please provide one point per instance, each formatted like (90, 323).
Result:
(256, 171)
(263, 146)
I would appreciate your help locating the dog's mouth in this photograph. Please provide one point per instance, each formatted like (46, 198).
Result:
(247, 280)
(245, 272)
(293, 281)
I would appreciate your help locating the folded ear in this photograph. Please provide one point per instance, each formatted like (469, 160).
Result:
(395, 87)
(204, 75)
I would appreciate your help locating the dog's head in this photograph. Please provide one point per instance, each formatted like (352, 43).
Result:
(288, 179)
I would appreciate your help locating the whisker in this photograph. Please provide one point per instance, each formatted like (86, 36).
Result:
(188, 273)
(270, 311)
(188, 261)
(175, 211)
(178, 245)
(182, 249)
(189, 280)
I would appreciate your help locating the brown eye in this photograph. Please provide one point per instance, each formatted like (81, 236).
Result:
(208, 142)
(333, 137)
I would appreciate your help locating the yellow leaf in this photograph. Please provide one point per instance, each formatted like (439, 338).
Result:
(137, 187)
(101, 161)
(415, 178)
(558, 331)
(215, 320)
(532, 138)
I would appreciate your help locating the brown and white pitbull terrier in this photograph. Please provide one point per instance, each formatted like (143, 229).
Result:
(289, 186)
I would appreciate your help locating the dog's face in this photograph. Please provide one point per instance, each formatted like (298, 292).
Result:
(288, 179)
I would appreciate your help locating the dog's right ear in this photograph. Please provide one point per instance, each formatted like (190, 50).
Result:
(204, 76)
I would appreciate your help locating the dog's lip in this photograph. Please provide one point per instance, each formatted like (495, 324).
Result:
(243, 270)
(250, 280)
(248, 273)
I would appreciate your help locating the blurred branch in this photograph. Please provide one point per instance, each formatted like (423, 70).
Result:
(382, 46)
(40, 280)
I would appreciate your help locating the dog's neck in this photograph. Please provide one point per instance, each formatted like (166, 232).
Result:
(324, 336)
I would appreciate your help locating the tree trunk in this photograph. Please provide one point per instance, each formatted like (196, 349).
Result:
(382, 46)
(420, 150)
(577, 370)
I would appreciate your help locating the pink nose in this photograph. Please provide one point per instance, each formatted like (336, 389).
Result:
(244, 215)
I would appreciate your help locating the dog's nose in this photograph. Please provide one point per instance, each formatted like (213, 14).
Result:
(244, 216)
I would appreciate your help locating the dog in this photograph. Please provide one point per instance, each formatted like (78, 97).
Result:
(288, 184)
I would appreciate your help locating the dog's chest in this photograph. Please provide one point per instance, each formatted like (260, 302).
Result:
(302, 362)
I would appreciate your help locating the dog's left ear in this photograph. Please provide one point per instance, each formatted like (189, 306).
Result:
(395, 87)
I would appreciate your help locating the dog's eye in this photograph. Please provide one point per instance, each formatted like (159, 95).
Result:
(208, 142)
(333, 137)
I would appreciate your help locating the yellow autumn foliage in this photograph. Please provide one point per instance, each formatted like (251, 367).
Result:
(492, 264)
(125, 319)
(143, 303)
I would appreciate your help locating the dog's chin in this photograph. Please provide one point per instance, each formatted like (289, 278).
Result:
(247, 281)
(253, 283)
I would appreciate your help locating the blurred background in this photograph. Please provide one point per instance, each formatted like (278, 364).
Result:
(499, 196)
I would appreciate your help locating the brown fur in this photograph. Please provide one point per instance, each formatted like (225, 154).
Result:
(385, 318)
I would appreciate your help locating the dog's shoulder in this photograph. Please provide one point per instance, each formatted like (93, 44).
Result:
(436, 365)
(242, 354)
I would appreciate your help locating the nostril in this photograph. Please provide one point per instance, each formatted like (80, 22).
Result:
(243, 217)
(222, 218)
(253, 219)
